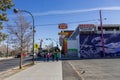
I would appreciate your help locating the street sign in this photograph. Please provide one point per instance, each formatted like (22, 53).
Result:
(36, 46)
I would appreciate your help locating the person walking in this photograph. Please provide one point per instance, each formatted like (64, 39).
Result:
(44, 56)
(57, 55)
(48, 56)
(53, 56)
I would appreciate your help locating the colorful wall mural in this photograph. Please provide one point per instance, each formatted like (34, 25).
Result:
(91, 46)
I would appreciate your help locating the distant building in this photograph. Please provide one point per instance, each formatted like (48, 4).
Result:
(64, 35)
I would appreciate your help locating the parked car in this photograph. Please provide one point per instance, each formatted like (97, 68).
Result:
(19, 55)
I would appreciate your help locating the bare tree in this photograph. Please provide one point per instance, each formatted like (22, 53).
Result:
(21, 34)
(3, 49)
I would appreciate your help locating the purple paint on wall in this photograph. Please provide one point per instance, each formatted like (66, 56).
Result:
(91, 45)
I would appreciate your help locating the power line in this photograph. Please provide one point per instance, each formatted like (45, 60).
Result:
(68, 22)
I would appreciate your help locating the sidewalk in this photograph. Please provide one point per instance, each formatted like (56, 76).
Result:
(40, 71)
(4, 58)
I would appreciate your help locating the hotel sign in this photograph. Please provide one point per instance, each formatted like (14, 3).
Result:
(87, 27)
(62, 26)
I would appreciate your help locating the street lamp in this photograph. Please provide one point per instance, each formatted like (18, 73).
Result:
(16, 11)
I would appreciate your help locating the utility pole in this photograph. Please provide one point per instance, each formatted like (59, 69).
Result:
(102, 36)
(7, 47)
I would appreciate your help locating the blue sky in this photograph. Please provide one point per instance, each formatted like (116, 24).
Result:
(64, 11)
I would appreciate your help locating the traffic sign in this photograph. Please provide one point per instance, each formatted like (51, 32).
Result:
(36, 46)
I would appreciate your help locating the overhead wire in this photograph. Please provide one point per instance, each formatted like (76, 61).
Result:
(68, 22)
(64, 22)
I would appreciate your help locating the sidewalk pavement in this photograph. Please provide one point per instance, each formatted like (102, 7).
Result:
(4, 58)
(40, 71)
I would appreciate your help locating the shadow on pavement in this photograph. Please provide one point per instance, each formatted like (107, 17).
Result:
(71, 58)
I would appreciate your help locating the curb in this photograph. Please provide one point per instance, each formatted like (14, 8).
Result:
(5, 58)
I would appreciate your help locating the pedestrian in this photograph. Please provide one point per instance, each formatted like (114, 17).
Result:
(44, 56)
(57, 55)
(48, 56)
(53, 56)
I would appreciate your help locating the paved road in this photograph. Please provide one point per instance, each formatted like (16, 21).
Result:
(97, 69)
(12, 63)
(68, 72)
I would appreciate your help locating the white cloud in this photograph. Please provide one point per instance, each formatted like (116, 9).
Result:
(57, 12)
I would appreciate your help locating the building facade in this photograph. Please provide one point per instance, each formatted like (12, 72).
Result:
(94, 41)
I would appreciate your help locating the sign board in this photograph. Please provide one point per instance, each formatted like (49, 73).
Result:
(62, 26)
(62, 33)
(87, 27)
(36, 46)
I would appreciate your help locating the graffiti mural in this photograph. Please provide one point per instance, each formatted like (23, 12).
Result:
(91, 46)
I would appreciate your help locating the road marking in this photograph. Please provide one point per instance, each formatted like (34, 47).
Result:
(76, 71)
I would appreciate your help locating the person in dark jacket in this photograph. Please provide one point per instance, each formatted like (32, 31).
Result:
(57, 56)
(44, 56)
(53, 56)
